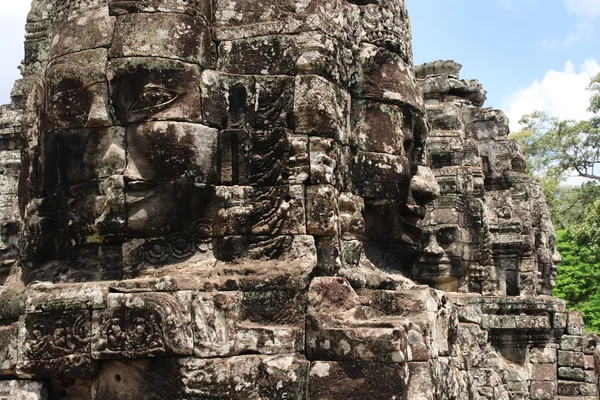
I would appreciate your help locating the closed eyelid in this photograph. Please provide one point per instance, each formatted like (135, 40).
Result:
(164, 97)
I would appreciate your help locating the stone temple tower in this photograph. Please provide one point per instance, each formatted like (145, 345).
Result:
(239, 199)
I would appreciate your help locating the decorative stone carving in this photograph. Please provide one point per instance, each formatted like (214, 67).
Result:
(54, 344)
(143, 325)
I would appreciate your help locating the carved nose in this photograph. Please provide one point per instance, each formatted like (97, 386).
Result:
(98, 114)
(424, 187)
(556, 258)
(433, 249)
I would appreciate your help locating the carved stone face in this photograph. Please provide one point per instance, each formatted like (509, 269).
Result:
(125, 155)
(454, 239)
(151, 138)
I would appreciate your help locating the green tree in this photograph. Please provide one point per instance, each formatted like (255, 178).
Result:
(587, 233)
(594, 86)
(567, 204)
(578, 279)
(556, 148)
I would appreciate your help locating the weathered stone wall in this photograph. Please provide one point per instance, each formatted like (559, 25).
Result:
(226, 199)
(10, 161)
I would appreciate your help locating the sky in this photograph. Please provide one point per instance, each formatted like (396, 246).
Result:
(529, 54)
(13, 14)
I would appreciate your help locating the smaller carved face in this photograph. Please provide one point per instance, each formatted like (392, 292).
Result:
(443, 252)
(453, 239)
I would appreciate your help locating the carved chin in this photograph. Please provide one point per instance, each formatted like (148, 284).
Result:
(149, 215)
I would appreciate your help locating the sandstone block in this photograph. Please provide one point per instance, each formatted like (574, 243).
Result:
(385, 76)
(324, 161)
(320, 108)
(166, 87)
(543, 372)
(573, 343)
(356, 381)
(573, 374)
(589, 362)
(329, 256)
(233, 323)
(87, 31)
(23, 390)
(377, 127)
(81, 78)
(178, 36)
(543, 355)
(143, 325)
(281, 377)
(352, 222)
(321, 210)
(8, 349)
(575, 324)
(571, 359)
(245, 101)
(542, 390)
(195, 7)
(57, 343)
(567, 388)
(282, 55)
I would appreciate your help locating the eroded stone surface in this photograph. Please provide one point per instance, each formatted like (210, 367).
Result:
(233, 200)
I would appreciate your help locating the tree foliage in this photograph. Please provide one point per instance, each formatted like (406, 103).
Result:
(556, 148)
(594, 86)
(587, 232)
(568, 204)
(578, 279)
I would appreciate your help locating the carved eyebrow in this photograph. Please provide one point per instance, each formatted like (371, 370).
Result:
(89, 85)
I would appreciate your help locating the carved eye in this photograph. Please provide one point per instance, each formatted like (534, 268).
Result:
(153, 97)
(70, 104)
(447, 235)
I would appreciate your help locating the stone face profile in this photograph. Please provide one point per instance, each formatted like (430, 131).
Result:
(234, 199)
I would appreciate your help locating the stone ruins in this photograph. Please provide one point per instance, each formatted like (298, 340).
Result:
(239, 199)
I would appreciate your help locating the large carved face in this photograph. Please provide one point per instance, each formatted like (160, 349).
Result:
(167, 138)
(125, 153)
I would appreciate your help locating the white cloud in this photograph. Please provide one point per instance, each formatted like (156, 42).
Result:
(583, 9)
(561, 94)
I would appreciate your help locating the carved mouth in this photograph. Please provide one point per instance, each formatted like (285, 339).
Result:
(412, 215)
(434, 261)
(140, 186)
(137, 191)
